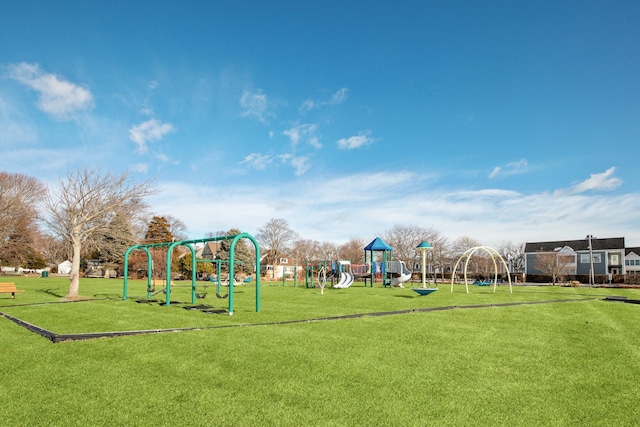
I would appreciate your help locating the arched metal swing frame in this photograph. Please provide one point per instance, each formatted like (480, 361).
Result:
(493, 254)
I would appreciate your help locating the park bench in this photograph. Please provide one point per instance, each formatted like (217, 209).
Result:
(9, 288)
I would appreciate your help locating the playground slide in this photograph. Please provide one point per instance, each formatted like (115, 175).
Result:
(399, 280)
(342, 281)
(350, 279)
(346, 279)
(403, 276)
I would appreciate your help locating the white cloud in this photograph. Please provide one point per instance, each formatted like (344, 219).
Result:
(307, 106)
(495, 172)
(599, 181)
(58, 98)
(315, 142)
(298, 132)
(257, 161)
(512, 168)
(357, 141)
(151, 130)
(141, 168)
(163, 158)
(256, 105)
(604, 181)
(369, 204)
(299, 163)
(337, 98)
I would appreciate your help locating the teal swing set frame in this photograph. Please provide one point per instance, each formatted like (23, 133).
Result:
(190, 244)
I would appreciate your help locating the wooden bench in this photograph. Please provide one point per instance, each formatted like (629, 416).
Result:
(9, 288)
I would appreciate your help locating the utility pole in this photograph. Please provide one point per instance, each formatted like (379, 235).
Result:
(591, 273)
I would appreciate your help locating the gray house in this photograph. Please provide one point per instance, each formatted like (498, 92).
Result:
(575, 256)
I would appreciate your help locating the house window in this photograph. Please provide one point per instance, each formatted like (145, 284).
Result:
(284, 261)
(584, 259)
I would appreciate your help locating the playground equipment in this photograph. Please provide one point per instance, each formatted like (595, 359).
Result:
(190, 245)
(325, 270)
(493, 254)
(315, 274)
(346, 276)
(424, 247)
(312, 270)
(377, 245)
(361, 270)
(236, 281)
(215, 280)
(399, 273)
(322, 279)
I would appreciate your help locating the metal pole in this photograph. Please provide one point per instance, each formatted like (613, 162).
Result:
(592, 278)
(424, 267)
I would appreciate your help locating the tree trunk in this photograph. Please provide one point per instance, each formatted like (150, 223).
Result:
(74, 277)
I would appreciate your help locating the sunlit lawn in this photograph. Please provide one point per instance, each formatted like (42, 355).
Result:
(552, 363)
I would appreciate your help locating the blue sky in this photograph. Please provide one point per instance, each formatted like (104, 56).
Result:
(499, 120)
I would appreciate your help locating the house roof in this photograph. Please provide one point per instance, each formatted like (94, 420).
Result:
(576, 245)
(636, 251)
(378, 244)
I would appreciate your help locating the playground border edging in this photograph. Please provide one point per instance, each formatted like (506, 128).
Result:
(57, 338)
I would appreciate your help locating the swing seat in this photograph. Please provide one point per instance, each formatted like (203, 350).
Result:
(482, 283)
(222, 296)
(424, 291)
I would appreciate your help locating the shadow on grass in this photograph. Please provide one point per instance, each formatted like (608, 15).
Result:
(53, 292)
(110, 297)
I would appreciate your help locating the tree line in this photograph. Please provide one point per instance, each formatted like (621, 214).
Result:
(93, 215)
(279, 240)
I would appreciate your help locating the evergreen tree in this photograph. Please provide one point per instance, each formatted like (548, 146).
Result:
(184, 265)
(244, 254)
(158, 231)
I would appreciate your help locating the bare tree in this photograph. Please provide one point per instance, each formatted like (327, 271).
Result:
(111, 246)
(52, 249)
(276, 237)
(306, 250)
(328, 251)
(555, 264)
(440, 259)
(462, 244)
(513, 254)
(177, 227)
(404, 239)
(83, 206)
(219, 233)
(353, 250)
(18, 216)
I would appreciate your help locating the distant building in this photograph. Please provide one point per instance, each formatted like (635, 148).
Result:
(609, 256)
(632, 261)
(64, 268)
(284, 266)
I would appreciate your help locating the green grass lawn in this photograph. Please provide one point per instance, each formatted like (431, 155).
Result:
(568, 363)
